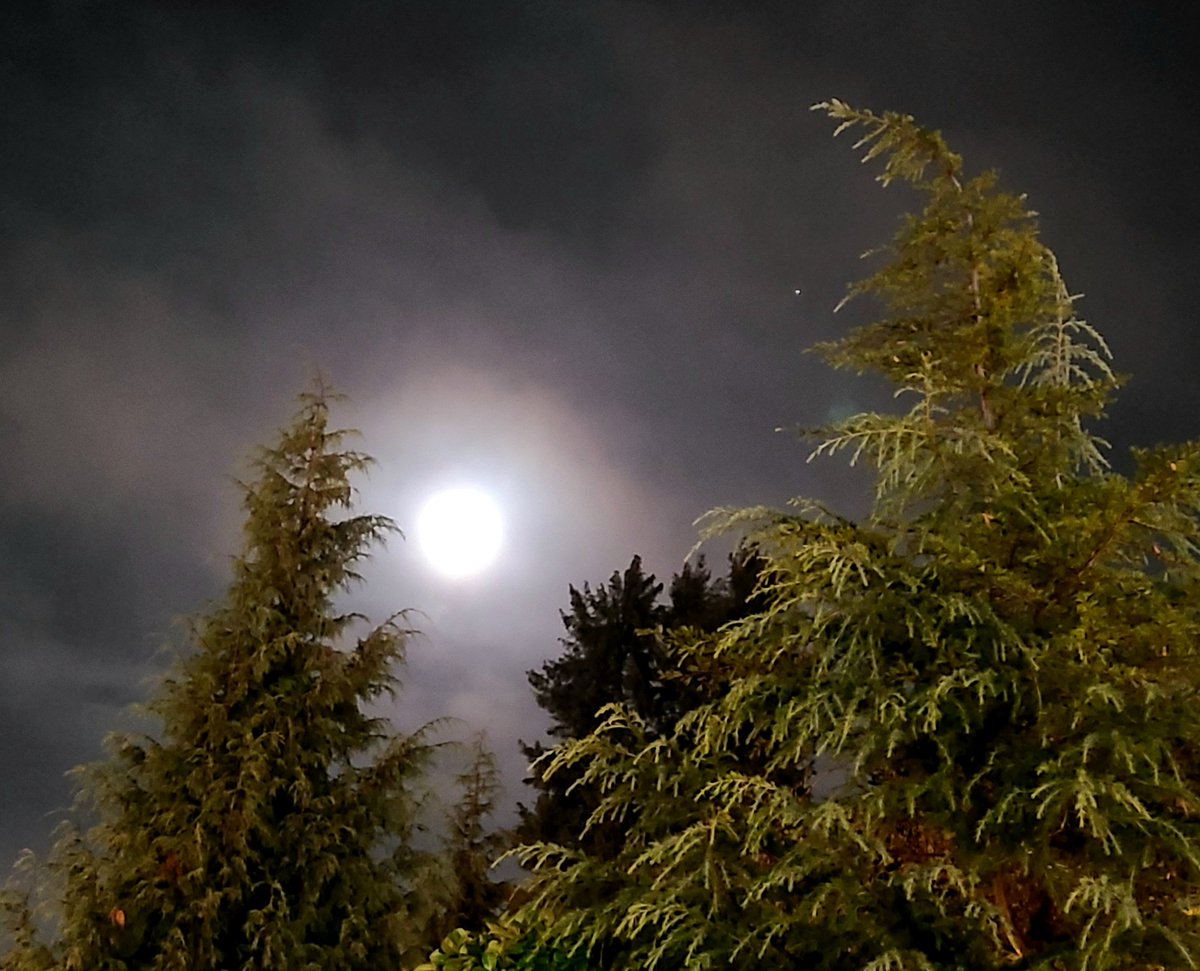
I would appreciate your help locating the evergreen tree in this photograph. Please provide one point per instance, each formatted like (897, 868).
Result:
(610, 655)
(619, 649)
(999, 662)
(271, 824)
(473, 846)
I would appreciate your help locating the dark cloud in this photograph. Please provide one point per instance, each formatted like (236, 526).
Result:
(552, 248)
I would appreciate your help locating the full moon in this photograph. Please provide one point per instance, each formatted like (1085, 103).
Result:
(460, 531)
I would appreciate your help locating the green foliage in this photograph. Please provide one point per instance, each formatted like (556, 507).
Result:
(507, 944)
(271, 823)
(962, 733)
(19, 915)
(473, 847)
(620, 648)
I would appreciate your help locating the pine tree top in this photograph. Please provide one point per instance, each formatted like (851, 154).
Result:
(980, 335)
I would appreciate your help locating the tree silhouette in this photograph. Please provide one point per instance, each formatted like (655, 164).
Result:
(619, 648)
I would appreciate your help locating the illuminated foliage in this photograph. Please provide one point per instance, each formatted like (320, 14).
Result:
(270, 825)
(506, 944)
(961, 733)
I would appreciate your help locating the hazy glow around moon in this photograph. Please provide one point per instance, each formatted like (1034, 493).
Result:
(460, 531)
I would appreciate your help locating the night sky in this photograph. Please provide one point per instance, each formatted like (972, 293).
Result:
(549, 248)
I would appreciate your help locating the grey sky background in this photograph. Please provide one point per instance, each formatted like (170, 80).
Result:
(549, 248)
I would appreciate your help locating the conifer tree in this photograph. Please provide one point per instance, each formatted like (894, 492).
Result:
(270, 824)
(473, 845)
(610, 654)
(619, 648)
(997, 666)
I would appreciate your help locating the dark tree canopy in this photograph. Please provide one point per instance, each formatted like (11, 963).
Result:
(610, 654)
(270, 823)
(619, 649)
(998, 666)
